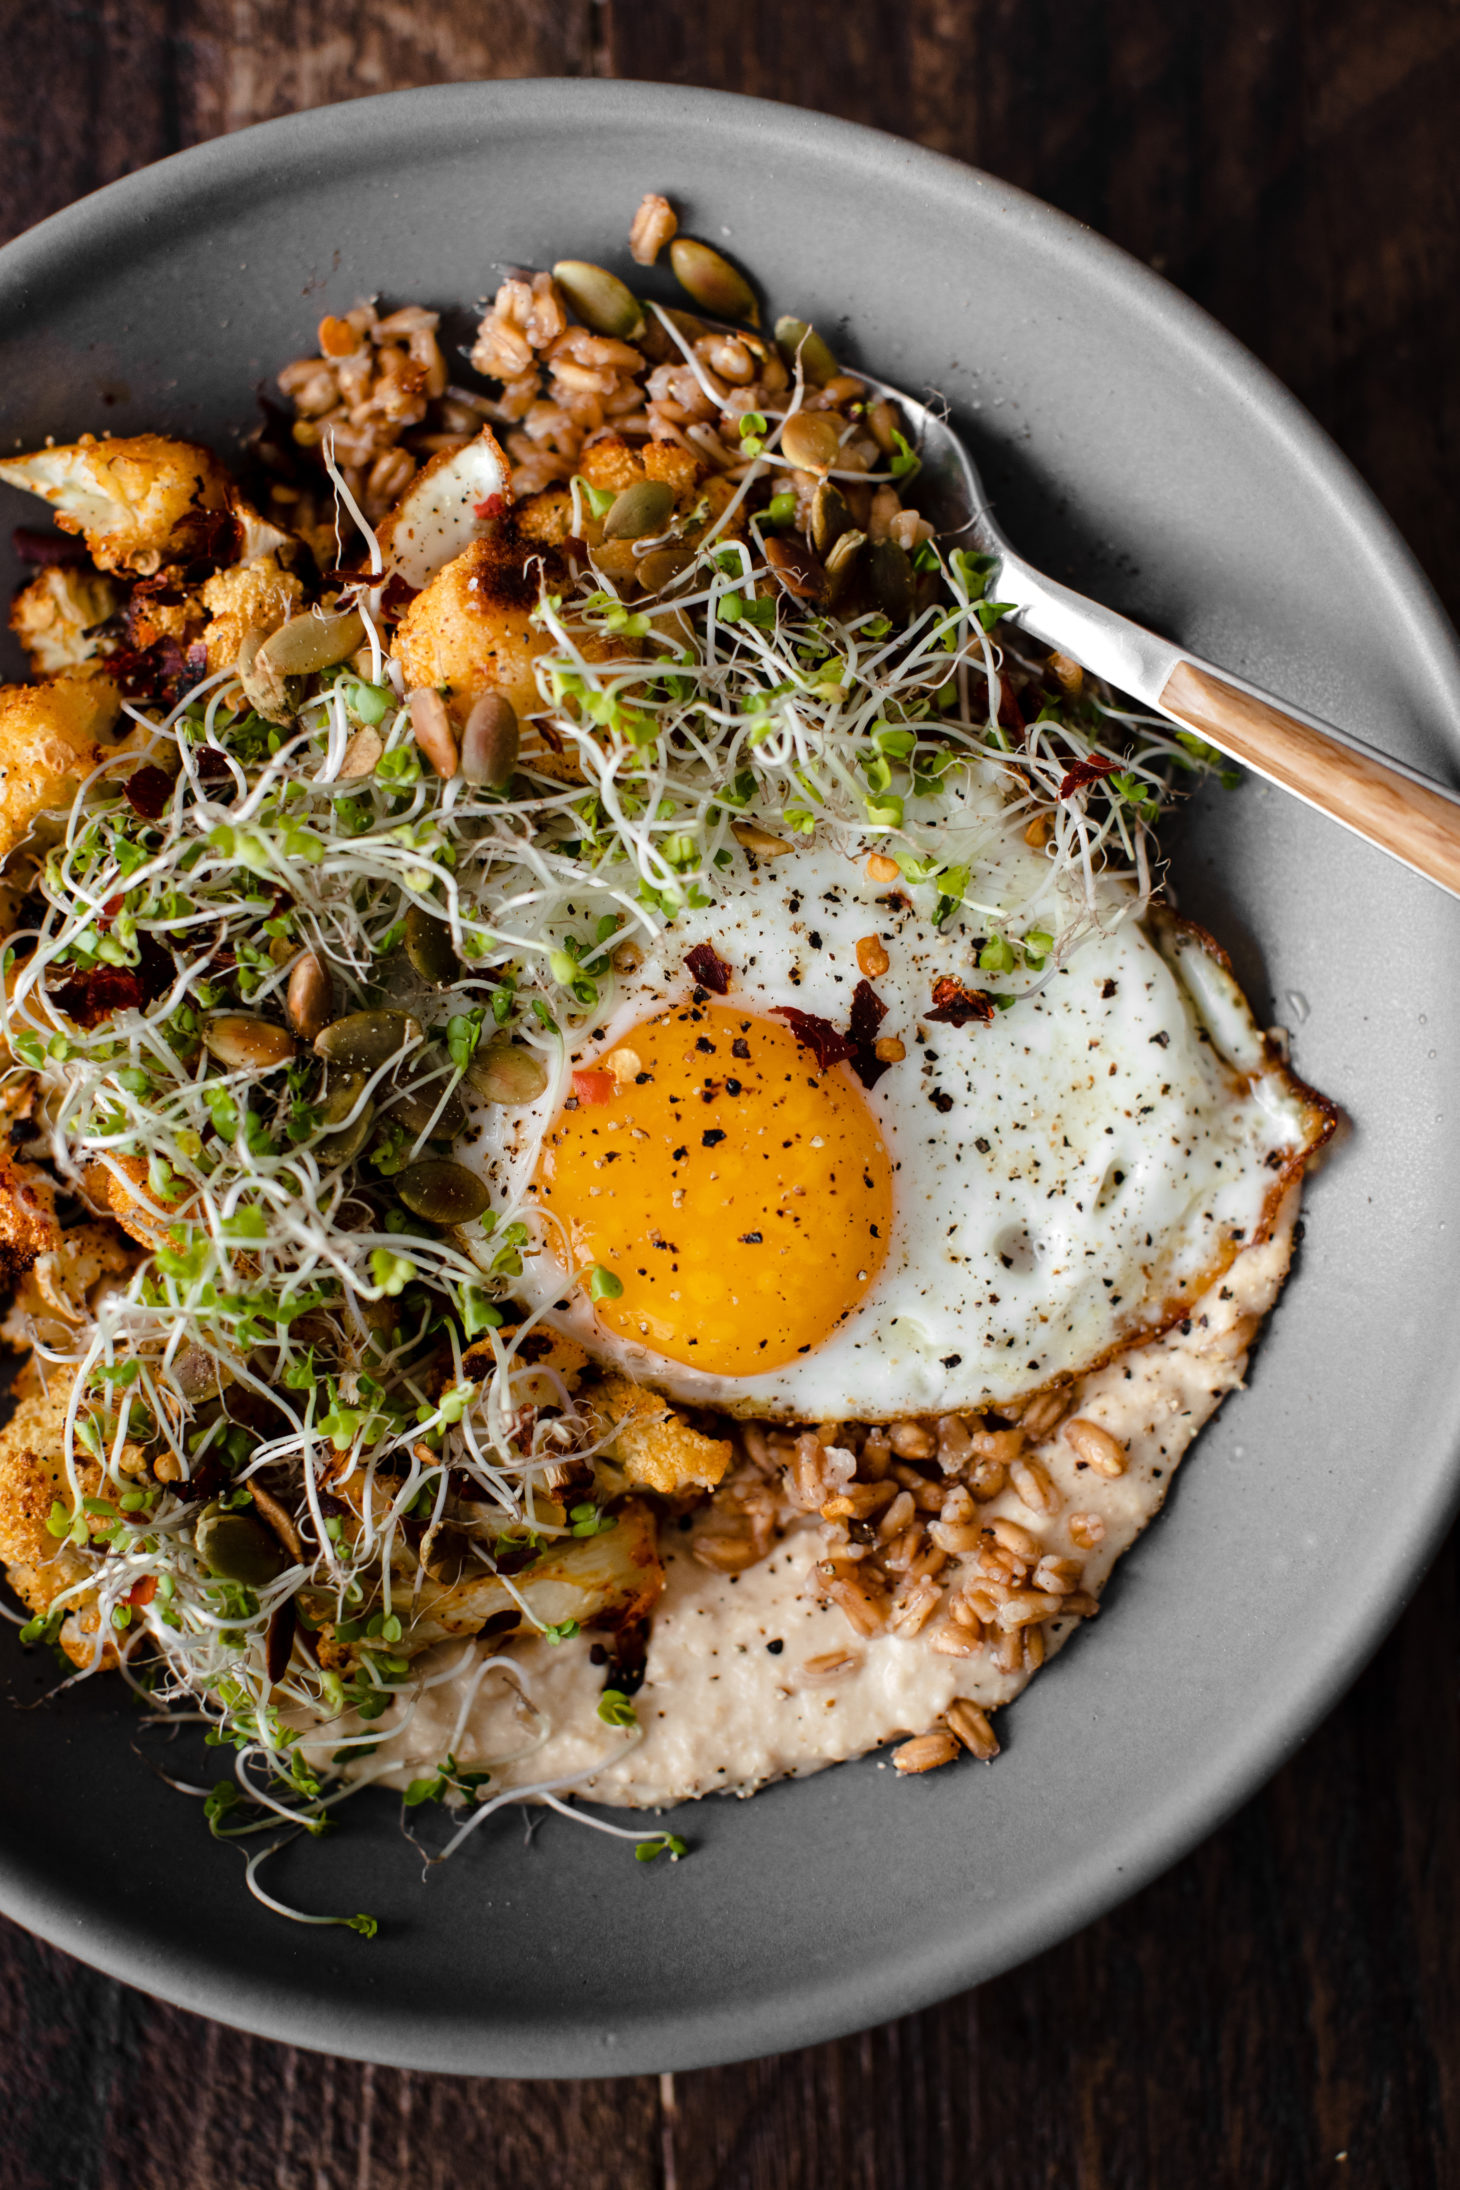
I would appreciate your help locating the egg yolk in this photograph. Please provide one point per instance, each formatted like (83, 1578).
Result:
(741, 1198)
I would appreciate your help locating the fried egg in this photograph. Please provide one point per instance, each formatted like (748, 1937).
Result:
(1006, 1204)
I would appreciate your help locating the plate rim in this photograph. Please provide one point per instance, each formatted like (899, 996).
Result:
(809, 2011)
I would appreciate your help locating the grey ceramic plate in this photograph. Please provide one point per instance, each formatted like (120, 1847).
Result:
(1136, 449)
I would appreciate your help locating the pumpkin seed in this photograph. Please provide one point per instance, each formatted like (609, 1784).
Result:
(641, 509)
(712, 281)
(661, 566)
(798, 336)
(198, 1374)
(429, 947)
(239, 1549)
(796, 568)
(490, 742)
(433, 731)
(830, 517)
(309, 1000)
(343, 1147)
(418, 1111)
(844, 552)
(441, 1191)
(364, 1039)
(246, 1044)
(811, 440)
(600, 299)
(279, 1641)
(316, 640)
(361, 754)
(504, 1072)
(264, 687)
(891, 574)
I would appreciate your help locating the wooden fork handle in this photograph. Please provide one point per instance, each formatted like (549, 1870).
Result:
(1415, 821)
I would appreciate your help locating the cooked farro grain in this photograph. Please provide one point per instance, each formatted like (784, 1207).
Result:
(1086, 1530)
(1095, 1446)
(974, 1729)
(1031, 1481)
(925, 1753)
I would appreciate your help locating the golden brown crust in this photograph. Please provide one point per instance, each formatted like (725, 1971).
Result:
(50, 738)
(657, 1448)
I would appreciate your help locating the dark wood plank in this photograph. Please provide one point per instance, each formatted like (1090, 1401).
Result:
(1284, 2008)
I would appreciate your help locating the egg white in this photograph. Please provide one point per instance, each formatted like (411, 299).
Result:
(1065, 1175)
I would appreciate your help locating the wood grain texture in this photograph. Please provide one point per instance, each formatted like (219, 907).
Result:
(1419, 825)
(1283, 2009)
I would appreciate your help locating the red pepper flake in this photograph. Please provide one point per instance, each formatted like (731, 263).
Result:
(868, 1013)
(493, 507)
(594, 1087)
(827, 1043)
(708, 968)
(148, 791)
(1082, 772)
(142, 1592)
(955, 1006)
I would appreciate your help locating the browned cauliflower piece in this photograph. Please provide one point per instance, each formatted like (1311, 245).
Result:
(32, 1480)
(52, 616)
(51, 735)
(130, 1200)
(655, 1447)
(56, 1294)
(470, 631)
(140, 502)
(256, 596)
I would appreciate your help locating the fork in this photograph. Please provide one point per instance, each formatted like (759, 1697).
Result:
(1387, 803)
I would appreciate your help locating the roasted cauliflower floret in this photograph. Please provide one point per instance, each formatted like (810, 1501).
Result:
(54, 614)
(656, 1448)
(121, 1189)
(256, 596)
(140, 503)
(33, 1480)
(57, 1293)
(612, 465)
(471, 631)
(51, 735)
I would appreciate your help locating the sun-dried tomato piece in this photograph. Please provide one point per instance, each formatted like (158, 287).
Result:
(594, 1087)
(828, 1045)
(1081, 772)
(957, 1006)
(94, 996)
(148, 791)
(142, 1592)
(160, 673)
(709, 968)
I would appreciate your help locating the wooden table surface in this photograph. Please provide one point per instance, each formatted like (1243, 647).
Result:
(1282, 2009)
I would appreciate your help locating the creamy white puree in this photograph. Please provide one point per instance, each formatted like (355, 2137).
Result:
(721, 1711)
